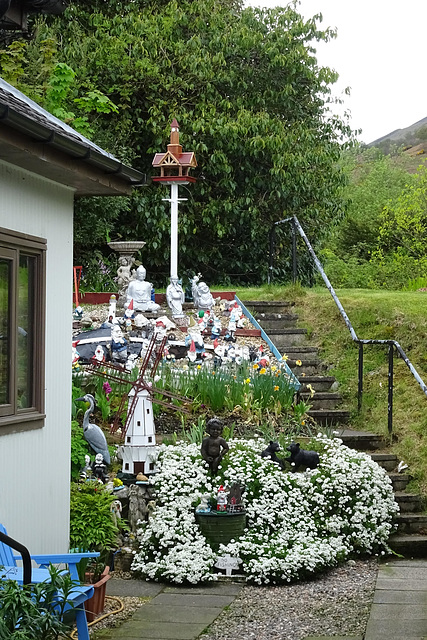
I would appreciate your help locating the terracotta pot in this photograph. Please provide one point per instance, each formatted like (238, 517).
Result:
(95, 605)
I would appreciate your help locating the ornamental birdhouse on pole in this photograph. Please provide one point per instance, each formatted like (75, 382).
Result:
(175, 166)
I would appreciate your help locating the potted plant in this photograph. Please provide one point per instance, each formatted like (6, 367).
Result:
(92, 528)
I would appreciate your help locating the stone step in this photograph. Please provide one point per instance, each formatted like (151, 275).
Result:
(399, 480)
(322, 399)
(308, 366)
(283, 338)
(271, 306)
(361, 440)
(278, 321)
(300, 352)
(329, 417)
(319, 383)
(408, 502)
(410, 546)
(387, 461)
(412, 523)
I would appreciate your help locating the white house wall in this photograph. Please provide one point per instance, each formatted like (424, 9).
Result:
(35, 465)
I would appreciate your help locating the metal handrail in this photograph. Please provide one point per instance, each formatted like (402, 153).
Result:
(392, 344)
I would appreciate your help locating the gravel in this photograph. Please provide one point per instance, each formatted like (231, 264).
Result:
(336, 603)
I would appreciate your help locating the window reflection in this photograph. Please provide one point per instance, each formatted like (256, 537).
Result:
(25, 330)
(5, 275)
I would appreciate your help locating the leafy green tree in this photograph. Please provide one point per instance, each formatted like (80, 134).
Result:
(251, 102)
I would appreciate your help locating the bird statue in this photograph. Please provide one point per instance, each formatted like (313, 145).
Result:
(93, 434)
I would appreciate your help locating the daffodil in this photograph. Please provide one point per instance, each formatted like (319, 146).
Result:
(298, 363)
(285, 357)
(199, 366)
(247, 381)
(276, 388)
(262, 371)
(255, 366)
(273, 368)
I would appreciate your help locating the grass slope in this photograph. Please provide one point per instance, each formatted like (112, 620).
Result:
(400, 316)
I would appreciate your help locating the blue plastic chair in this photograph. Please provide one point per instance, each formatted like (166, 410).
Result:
(9, 570)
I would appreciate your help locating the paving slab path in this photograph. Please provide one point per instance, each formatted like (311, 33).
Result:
(172, 612)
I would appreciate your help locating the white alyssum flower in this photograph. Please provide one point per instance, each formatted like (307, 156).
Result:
(297, 523)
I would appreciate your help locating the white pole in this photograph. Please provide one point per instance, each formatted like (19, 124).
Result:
(174, 230)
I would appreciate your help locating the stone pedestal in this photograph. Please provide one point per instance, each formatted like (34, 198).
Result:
(126, 251)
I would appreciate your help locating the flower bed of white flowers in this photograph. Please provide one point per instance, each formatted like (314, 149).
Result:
(297, 523)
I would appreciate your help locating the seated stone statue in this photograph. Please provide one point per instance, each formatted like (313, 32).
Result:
(214, 447)
(140, 292)
(202, 296)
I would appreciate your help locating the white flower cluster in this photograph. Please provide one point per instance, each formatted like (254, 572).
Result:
(297, 523)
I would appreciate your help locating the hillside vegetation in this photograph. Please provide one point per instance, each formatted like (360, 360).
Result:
(375, 314)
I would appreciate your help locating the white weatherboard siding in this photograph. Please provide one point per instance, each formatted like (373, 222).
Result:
(35, 465)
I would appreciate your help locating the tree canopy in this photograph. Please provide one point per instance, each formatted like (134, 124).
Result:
(251, 102)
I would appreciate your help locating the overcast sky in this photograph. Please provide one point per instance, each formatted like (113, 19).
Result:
(380, 53)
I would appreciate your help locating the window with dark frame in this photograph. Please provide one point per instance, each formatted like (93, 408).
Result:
(22, 327)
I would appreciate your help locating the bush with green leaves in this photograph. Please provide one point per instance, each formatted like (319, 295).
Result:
(91, 524)
(34, 611)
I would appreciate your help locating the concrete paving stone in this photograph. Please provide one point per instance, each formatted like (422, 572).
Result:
(333, 638)
(403, 572)
(215, 588)
(400, 597)
(401, 585)
(136, 588)
(403, 611)
(176, 614)
(395, 629)
(140, 630)
(414, 562)
(191, 600)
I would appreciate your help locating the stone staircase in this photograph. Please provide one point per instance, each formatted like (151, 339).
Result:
(280, 324)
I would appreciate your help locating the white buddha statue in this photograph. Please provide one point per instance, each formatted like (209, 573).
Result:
(140, 292)
(202, 296)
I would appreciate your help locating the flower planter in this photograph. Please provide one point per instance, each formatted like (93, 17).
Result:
(221, 528)
(95, 605)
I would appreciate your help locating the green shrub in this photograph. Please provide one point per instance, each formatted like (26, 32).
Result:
(91, 524)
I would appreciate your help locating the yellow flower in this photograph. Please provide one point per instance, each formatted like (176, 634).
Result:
(247, 381)
(285, 357)
(273, 368)
(256, 366)
(277, 374)
(262, 371)
(199, 366)
(298, 363)
(302, 423)
(276, 388)
(213, 373)
(312, 391)
(303, 375)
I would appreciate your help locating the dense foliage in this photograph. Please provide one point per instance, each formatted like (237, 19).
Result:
(251, 101)
(298, 523)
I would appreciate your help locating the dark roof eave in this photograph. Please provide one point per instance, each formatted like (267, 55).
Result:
(73, 148)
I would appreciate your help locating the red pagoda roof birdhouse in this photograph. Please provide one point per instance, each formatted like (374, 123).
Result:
(175, 164)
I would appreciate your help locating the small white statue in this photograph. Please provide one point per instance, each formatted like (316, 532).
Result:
(139, 290)
(202, 296)
(119, 346)
(175, 297)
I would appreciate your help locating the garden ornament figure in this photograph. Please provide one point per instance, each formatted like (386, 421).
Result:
(139, 290)
(202, 296)
(214, 447)
(119, 346)
(221, 501)
(175, 297)
(271, 451)
(302, 458)
(99, 468)
(93, 434)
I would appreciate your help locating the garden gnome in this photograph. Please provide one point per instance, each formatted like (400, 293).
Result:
(214, 447)
(99, 468)
(119, 348)
(221, 501)
(175, 297)
(139, 290)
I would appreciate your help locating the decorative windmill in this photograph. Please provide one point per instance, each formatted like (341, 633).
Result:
(139, 451)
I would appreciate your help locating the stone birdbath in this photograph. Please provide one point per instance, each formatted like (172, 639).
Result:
(126, 250)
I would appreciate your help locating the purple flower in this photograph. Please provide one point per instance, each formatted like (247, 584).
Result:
(107, 389)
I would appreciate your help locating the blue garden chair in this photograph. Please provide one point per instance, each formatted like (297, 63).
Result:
(9, 570)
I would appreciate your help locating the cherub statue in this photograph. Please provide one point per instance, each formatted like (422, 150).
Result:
(214, 447)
